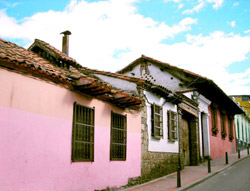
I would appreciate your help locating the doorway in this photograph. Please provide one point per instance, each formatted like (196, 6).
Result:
(186, 141)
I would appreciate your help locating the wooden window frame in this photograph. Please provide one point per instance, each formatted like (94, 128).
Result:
(214, 120)
(157, 126)
(87, 121)
(230, 128)
(118, 124)
(172, 126)
(223, 125)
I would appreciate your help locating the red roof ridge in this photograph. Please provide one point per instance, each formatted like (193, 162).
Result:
(162, 63)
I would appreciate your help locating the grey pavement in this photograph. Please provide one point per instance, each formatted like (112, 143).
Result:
(191, 175)
(236, 177)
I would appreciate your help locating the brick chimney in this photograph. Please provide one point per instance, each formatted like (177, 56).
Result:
(65, 42)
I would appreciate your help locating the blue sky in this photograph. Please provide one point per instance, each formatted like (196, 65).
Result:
(209, 37)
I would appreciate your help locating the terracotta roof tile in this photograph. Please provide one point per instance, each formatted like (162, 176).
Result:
(19, 59)
(164, 64)
(57, 53)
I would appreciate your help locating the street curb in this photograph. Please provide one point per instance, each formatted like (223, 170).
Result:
(209, 176)
(151, 181)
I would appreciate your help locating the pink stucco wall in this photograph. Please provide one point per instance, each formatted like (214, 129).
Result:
(35, 139)
(219, 146)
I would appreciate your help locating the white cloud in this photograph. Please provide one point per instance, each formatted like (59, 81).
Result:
(10, 5)
(196, 9)
(108, 35)
(180, 6)
(211, 55)
(98, 30)
(176, 1)
(247, 31)
(233, 24)
(217, 3)
(201, 4)
(236, 4)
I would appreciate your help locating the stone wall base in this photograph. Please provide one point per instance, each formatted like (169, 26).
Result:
(156, 164)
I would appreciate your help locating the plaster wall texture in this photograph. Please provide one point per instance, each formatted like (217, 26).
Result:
(118, 83)
(204, 123)
(155, 75)
(35, 139)
(162, 145)
(219, 146)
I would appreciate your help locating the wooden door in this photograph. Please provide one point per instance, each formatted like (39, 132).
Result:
(185, 142)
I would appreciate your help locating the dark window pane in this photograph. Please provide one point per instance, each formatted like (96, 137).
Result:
(83, 134)
(118, 137)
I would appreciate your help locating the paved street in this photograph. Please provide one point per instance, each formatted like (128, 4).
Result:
(236, 177)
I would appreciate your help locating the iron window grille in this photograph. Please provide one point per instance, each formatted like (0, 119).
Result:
(172, 125)
(157, 120)
(214, 121)
(83, 133)
(118, 145)
(231, 133)
(223, 125)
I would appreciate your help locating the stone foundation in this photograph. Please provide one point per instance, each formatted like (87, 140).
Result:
(154, 164)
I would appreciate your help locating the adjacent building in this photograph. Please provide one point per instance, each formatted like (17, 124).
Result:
(159, 122)
(242, 128)
(244, 101)
(205, 114)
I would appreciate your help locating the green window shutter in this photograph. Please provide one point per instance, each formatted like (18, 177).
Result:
(157, 120)
(172, 125)
(83, 133)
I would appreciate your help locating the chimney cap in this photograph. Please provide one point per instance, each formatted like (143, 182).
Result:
(66, 32)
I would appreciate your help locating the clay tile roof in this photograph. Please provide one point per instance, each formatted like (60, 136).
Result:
(53, 51)
(16, 57)
(157, 62)
(155, 88)
(205, 85)
(25, 61)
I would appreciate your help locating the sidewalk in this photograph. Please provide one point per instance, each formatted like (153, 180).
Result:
(190, 176)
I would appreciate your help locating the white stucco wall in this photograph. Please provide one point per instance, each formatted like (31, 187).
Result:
(204, 121)
(157, 76)
(162, 145)
(118, 83)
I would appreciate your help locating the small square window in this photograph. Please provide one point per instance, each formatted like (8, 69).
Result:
(245, 98)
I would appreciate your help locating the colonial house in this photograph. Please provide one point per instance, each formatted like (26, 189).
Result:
(205, 114)
(159, 128)
(159, 120)
(242, 128)
(62, 129)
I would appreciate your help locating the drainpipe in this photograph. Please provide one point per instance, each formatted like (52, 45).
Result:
(65, 42)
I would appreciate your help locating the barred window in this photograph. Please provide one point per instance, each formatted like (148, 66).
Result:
(118, 136)
(156, 117)
(172, 125)
(231, 133)
(223, 126)
(214, 121)
(83, 133)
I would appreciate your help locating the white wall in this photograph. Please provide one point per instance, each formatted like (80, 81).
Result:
(162, 145)
(118, 83)
(155, 75)
(204, 121)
